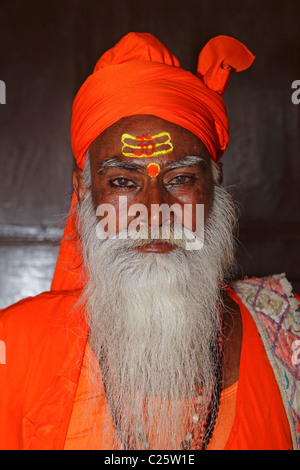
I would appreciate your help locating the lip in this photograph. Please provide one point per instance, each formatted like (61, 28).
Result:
(157, 246)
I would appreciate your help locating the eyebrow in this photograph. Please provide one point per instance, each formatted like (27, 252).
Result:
(116, 162)
(189, 160)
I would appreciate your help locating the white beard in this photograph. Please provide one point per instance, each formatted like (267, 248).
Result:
(154, 322)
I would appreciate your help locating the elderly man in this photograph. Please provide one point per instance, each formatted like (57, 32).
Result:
(142, 342)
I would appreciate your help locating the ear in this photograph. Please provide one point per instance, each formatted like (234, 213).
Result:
(221, 174)
(78, 187)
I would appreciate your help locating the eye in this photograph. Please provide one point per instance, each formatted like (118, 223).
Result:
(180, 179)
(121, 183)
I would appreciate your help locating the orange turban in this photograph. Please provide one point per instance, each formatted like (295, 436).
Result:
(139, 75)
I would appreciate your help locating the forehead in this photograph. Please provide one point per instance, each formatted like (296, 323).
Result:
(111, 141)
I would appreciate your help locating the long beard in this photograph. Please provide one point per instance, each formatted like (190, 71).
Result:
(154, 328)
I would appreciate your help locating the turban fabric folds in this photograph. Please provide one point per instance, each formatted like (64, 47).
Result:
(139, 75)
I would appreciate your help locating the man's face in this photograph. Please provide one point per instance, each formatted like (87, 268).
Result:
(151, 162)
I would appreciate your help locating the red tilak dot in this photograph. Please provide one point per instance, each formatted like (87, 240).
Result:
(153, 169)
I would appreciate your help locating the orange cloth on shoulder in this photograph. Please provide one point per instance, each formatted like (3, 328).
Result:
(139, 75)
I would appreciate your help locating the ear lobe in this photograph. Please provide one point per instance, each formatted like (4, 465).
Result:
(78, 186)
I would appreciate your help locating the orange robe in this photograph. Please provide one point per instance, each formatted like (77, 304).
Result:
(41, 382)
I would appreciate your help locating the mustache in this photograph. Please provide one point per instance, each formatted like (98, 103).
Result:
(174, 235)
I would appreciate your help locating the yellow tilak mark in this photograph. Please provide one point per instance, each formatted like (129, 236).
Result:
(153, 169)
(146, 145)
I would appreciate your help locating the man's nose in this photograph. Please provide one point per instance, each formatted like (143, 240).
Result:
(157, 206)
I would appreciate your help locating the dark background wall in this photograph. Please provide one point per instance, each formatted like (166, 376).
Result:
(48, 48)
